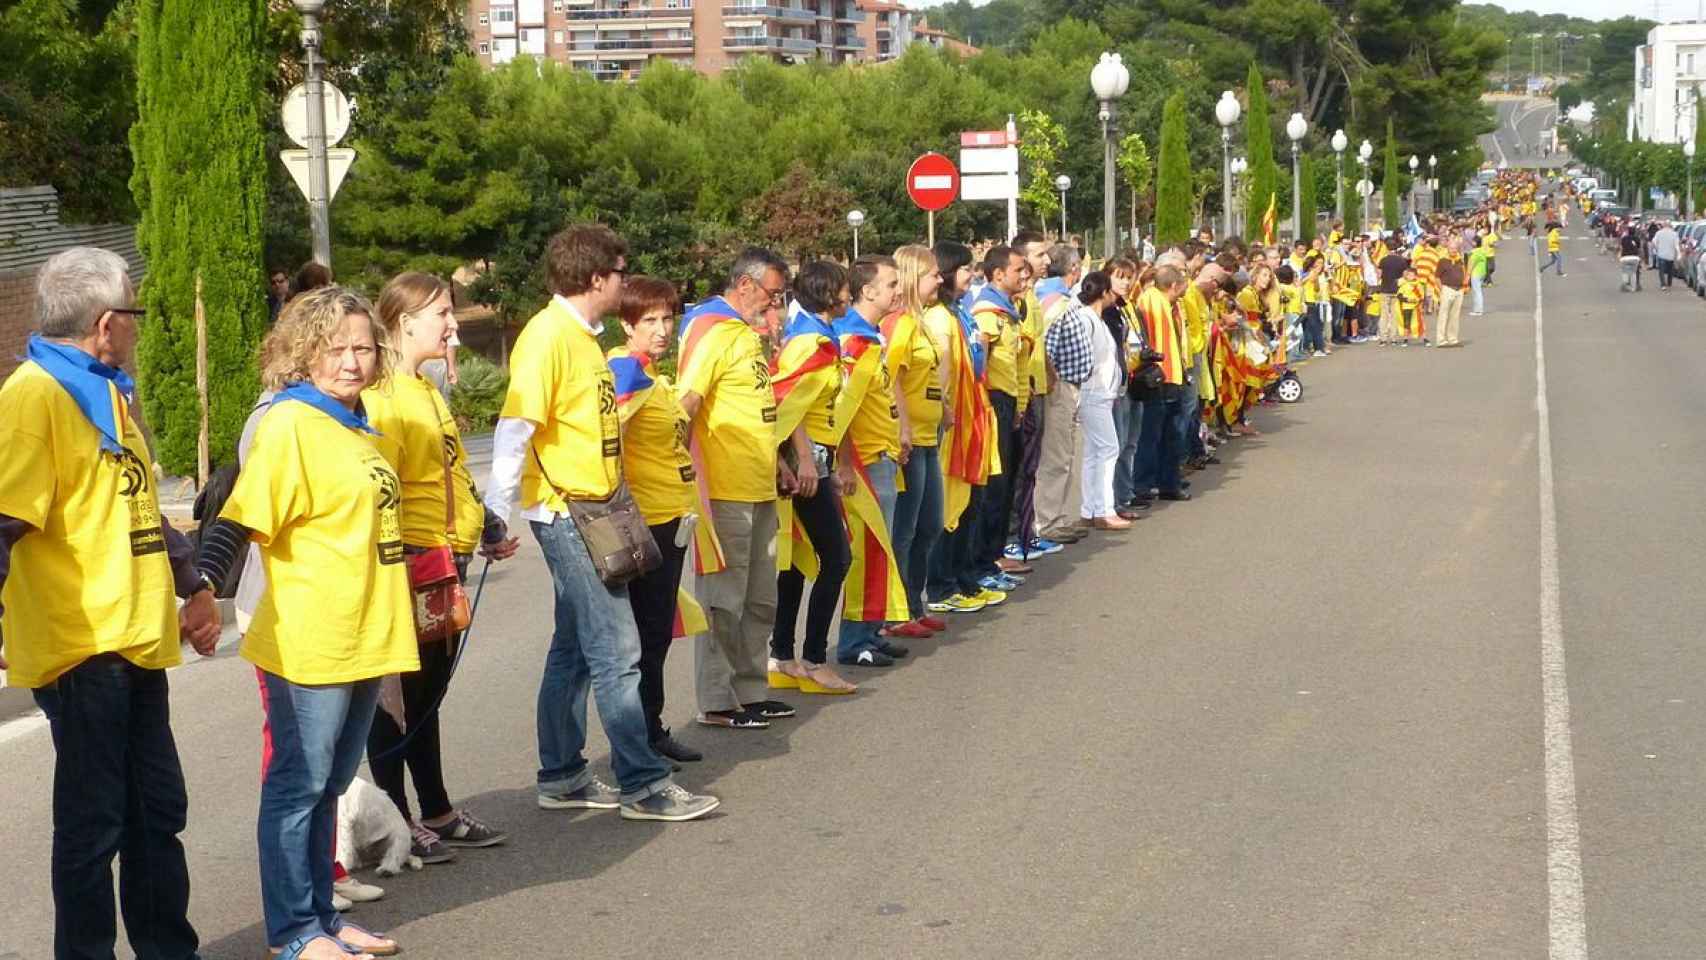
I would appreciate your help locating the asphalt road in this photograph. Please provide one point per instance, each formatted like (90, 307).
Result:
(1522, 123)
(1301, 716)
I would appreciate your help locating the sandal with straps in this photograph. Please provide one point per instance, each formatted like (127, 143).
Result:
(293, 949)
(386, 948)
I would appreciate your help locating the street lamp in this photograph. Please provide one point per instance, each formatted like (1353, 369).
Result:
(855, 219)
(1063, 183)
(1295, 128)
(1340, 142)
(1226, 112)
(1109, 79)
(1415, 162)
(1238, 167)
(1688, 151)
(1364, 152)
(1433, 183)
(319, 174)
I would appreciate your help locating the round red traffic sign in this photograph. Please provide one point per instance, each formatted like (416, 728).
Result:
(932, 182)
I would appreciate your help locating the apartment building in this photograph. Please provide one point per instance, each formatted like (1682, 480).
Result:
(617, 39)
(1670, 74)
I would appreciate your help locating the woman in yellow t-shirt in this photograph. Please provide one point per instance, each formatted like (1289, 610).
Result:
(915, 365)
(418, 315)
(660, 474)
(319, 493)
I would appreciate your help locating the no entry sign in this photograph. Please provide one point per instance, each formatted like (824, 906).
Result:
(932, 182)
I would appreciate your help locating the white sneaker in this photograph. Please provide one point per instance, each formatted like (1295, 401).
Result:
(353, 889)
(1318, 353)
(341, 903)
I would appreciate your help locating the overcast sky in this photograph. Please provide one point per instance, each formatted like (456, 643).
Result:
(1603, 10)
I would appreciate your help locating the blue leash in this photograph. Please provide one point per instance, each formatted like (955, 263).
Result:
(455, 662)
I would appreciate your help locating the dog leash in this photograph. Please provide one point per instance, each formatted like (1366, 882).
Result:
(455, 662)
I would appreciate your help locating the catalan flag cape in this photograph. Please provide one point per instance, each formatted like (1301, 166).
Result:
(706, 330)
(968, 447)
(1269, 217)
(632, 372)
(874, 592)
(992, 301)
(689, 616)
(801, 373)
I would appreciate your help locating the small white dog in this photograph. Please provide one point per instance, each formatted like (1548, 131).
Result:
(370, 828)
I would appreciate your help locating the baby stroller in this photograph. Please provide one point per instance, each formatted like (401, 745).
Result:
(1259, 351)
(1286, 387)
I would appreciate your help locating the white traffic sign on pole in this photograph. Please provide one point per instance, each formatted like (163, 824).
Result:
(338, 160)
(990, 186)
(989, 169)
(294, 113)
(993, 160)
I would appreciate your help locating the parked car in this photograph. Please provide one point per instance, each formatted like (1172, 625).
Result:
(1692, 235)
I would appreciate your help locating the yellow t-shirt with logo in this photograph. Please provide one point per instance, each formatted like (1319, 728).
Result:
(1291, 299)
(92, 577)
(655, 459)
(409, 410)
(559, 382)
(866, 403)
(323, 502)
(735, 426)
(1007, 353)
(913, 361)
(1035, 325)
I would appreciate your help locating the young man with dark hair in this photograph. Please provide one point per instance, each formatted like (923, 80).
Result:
(996, 315)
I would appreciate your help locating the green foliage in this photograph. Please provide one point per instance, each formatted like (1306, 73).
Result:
(1263, 178)
(1307, 205)
(1041, 141)
(1174, 192)
(478, 396)
(1137, 169)
(1353, 205)
(199, 180)
(1389, 186)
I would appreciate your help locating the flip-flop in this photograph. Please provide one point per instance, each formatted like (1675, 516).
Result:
(390, 949)
(293, 949)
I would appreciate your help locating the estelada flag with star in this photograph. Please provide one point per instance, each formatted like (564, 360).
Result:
(874, 592)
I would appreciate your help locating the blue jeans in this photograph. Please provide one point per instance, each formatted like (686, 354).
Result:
(857, 635)
(118, 789)
(1476, 304)
(1158, 447)
(1128, 426)
(595, 644)
(918, 523)
(319, 734)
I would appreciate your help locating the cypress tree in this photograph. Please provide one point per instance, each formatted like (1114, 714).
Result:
(1389, 185)
(1173, 184)
(200, 186)
(1306, 195)
(1259, 150)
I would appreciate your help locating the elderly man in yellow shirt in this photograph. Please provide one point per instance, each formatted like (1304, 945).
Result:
(558, 440)
(87, 619)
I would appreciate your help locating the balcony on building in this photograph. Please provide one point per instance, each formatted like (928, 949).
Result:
(682, 12)
(848, 41)
(640, 47)
(757, 43)
(786, 12)
(848, 13)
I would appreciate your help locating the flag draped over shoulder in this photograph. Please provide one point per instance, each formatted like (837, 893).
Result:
(631, 370)
(968, 453)
(802, 371)
(705, 330)
(874, 592)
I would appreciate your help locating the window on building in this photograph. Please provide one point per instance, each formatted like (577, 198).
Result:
(504, 14)
(1688, 64)
(485, 47)
(556, 6)
(485, 19)
(557, 37)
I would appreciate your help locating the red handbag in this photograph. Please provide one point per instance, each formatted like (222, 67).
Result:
(441, 605)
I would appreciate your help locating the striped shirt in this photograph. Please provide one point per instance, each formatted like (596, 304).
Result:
(1426, 261)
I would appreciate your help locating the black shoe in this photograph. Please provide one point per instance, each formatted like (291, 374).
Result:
(769, 709)
(891, 648)
(867, 658)
(666, 745)
(1211, 459)
(1173, 495)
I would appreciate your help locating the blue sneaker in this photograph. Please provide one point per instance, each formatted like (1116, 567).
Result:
(1014, 552)
(1001, 583)
(1011, 582)
(1042, 548)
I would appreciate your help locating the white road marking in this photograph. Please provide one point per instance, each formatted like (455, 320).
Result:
(1566, 917)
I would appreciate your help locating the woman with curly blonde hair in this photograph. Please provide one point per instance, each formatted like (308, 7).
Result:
(320, 499)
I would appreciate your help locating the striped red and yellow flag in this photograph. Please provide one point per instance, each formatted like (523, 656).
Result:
(969, 454)
(689, 616)
(874, 591)
(704, 328)
(1269, 218)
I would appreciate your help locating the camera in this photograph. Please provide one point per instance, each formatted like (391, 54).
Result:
(1151, 356)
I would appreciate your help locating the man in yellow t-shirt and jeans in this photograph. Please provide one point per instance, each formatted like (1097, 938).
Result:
(558, 440)
(87, 618)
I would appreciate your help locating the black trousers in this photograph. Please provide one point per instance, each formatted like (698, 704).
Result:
(118, 788)
(953, 565)
(997, 506)
(423, 755)
(820, 514)
(652, 598)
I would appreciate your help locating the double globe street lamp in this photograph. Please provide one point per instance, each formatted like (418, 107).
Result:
(1226, 113)
(1109, 79)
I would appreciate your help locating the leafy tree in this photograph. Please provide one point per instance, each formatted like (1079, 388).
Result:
(802, 215)
(1173, 191)
(198, 182)
(1389, 187)
(1263, 178)
(1041, 141)
(1137, 169)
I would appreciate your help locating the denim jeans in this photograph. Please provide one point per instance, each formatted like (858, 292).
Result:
(117, 789)
(1128, 423)
(1158, 446)
(1476, 304)
(1660, 264)
(1313, 323)
(918, 523)
(857, 635)
(318, 736)
(595, 644)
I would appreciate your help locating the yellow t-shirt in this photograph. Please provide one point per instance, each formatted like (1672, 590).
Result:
(654, 451)
(1291, 299)
(559, 382)
(1553, 241)
(322, 500)
(1035, 325)
(93, 576)
(912, 360)
(411, 412)
(866, 403)
(1195, 311)
(735, 425)
(1007, 353)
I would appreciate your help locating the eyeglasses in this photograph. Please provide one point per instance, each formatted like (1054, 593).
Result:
(777, 297)
(140, 313)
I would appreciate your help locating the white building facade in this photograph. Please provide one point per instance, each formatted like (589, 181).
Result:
(1670, 77)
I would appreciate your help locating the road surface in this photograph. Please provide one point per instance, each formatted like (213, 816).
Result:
(1523, 124)
(1374, 693)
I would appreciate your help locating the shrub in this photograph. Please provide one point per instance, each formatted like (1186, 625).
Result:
(478, 396)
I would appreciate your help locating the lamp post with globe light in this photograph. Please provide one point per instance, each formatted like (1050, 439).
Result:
(1238, 166)
(1340, 142)
(1364, 152)
(856, 219)
(319, 174)
(1109, 79)
(1688, 152)
(1433, 183)
(1415, 162)
(1226, 113)
(1296, 128)
(1063, 183)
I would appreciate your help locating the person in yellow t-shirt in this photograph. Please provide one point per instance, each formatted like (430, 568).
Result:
(559, 440)
(659, 470)
(419, 317)
(995, 312)
(915, 364)
(319, 494)
(1554, 248)
(87, 618)
(1411, 292)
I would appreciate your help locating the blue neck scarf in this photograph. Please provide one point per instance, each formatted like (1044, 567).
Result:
(90, 384)
(854, 324)
(989, 294)
(1052, 287)
(308, 393)
(804, 322)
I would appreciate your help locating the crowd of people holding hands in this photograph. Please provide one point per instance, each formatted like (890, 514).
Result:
(892, 443)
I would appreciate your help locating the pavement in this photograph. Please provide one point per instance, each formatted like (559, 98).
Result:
(1522, 122)
(1380, 690)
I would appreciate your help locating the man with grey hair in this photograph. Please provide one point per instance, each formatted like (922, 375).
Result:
(88, 571)
(1059, 493)
(725, 391)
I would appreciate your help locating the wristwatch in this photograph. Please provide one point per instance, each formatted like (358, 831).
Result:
(203, 583)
